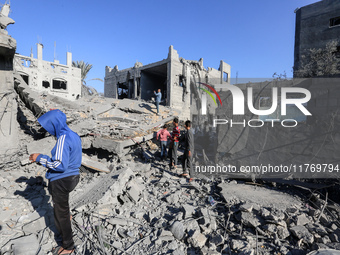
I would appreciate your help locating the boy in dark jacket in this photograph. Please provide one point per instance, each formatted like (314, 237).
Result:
(62, 173)
(188, 139)
(174, 144)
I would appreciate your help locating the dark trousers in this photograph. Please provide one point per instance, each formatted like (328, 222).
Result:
(157, 106)
(173, 153)
(187, 163)
(60, 189)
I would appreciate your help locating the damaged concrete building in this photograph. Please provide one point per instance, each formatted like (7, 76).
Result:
(128, 203)
(175, 76)
(316, 25)
(49, 77)
(8, 103)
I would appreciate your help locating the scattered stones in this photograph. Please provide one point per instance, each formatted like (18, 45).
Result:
(197, 239)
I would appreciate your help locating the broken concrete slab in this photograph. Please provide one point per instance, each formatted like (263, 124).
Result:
(256, 195)
(94, 165)
(324, 252)
(197, 239)
(177, 229)
(302, 220)
(217, 239)
(188, 211)
(302, 232)
(112, 185)
(26, 245)
(34, 226)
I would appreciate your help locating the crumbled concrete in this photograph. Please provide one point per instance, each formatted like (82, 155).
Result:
(197, 239)
(138, 205)
(177, 229)
(302, 233)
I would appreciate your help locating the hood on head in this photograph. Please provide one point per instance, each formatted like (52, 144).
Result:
(53, 122)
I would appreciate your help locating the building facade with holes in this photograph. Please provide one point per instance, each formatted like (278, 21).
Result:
(316, 25)
(50, 77)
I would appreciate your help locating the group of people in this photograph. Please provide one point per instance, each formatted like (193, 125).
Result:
(63, 166)
(174, 138)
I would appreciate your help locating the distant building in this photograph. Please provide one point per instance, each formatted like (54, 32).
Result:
(316, 25)
(175, 76)
(51, 77)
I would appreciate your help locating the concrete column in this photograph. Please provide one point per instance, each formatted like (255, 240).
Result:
(224, 68)
(173, 53)
(187, 78)
(135, 87)
(69, 59)
(40, 51)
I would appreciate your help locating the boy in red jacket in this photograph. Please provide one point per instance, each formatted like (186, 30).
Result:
(163, 135)
(174, 144)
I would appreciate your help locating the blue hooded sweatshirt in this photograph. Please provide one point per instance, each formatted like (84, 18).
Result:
(67, 153)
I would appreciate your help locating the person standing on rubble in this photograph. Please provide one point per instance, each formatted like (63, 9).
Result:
(162, 136)
(158, 99)
(62, 173)
(174, 144)
(188, 139)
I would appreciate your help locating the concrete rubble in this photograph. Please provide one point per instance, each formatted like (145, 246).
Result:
(128, 201)
(141, 207)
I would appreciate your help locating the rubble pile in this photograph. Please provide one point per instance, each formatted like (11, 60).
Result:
(144, 208)
(127, 205)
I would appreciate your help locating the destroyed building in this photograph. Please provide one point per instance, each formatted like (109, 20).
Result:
(316, 25)
(49, 77)
(251, 139)
(8, 103)
(128, 201)
(175, 76)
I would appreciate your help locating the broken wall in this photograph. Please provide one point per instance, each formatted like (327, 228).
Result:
(313, 28)
(175, 77)
(50, 77)
(8, 103)
(313, 140)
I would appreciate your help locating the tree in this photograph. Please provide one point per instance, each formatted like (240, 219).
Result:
(320, 62)
(85, 69)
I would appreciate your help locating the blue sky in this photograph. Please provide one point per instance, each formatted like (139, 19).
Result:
(255, 37)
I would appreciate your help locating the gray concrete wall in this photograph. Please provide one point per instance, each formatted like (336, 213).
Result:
(313, 27)
(9, 127)
(315, 140)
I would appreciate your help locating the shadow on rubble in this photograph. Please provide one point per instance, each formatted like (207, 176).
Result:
(32, 128)
(148, 107)
(35, 192)
(163, 166)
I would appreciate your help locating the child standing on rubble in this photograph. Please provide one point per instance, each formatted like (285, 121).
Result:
(162, 136)
(174, 144)
(188, 139)
(158, 99)
(62, 173)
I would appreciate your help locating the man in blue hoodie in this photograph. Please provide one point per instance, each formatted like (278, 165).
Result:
(62, 173)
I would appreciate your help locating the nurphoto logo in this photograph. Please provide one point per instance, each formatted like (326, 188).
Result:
(239, 104)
